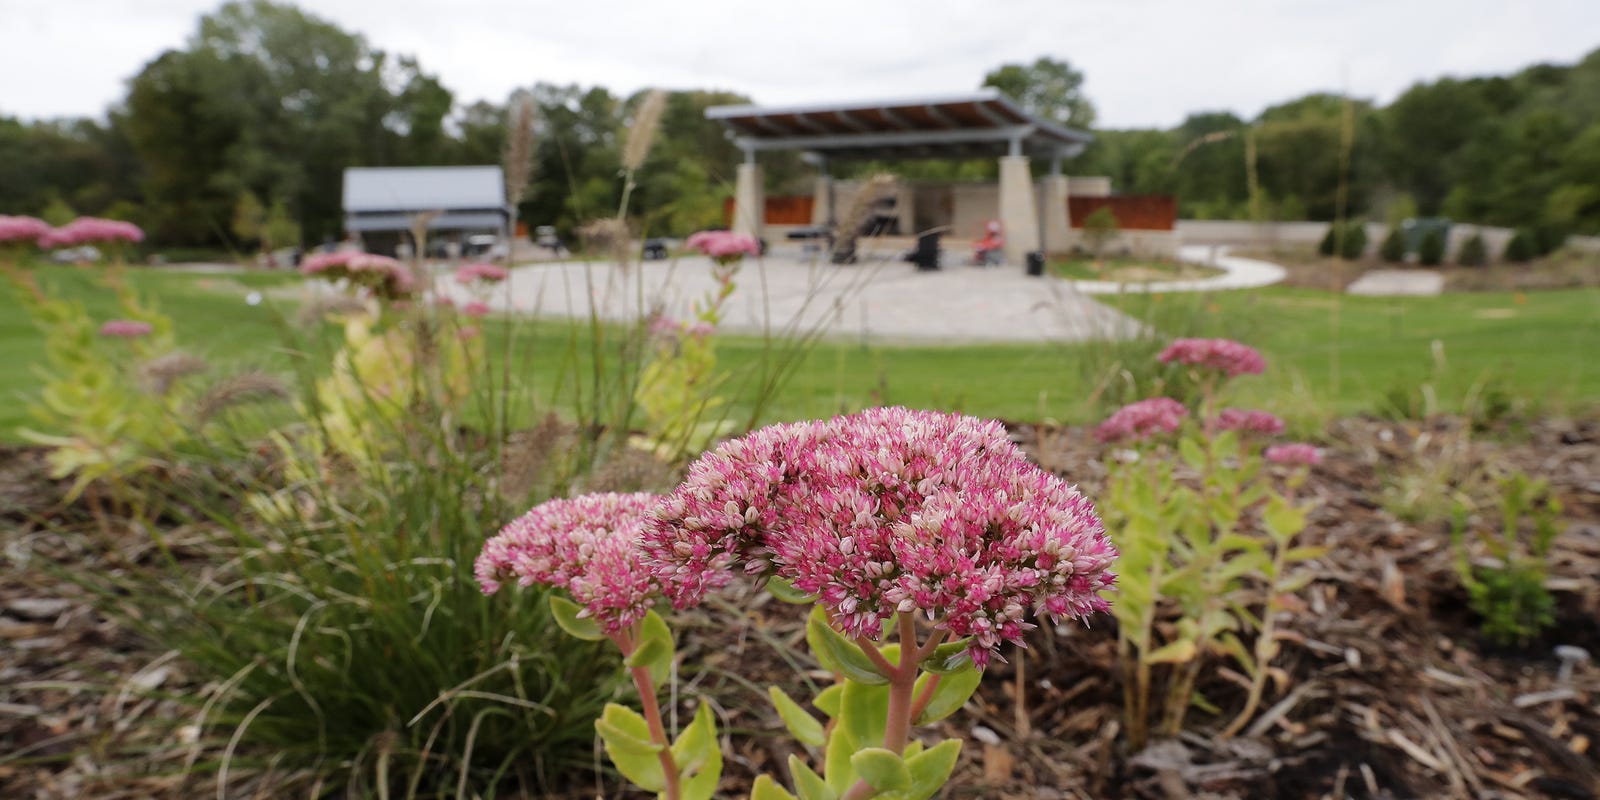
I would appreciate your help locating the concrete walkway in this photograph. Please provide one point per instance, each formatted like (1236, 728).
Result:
(1238, 273)
(1413, 282)
(880, 300)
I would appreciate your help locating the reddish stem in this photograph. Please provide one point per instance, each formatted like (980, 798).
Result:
(652, 715)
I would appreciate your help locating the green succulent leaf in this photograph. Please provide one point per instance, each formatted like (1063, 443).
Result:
(827, 701)
(808, 783)
(627, 741)
(765, 788)
(951, 694)
(566, 615)
(948, 657)
(1178, 652)
(838, 654)
(882, 769)
(930, 770)
(801, 725)
(697, 746)
(655, 649)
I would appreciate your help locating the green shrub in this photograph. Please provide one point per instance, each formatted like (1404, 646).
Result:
(1521, 249)
(1099, 229)
(1349, 241)
(1355, 241)
(1431, 252)
(1330, 240)
(1393, 249)
(1507, 589)
(1473, 253)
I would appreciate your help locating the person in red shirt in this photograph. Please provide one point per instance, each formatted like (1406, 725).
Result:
(989, 248)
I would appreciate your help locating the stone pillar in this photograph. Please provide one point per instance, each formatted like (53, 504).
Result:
(822, 201)
(1057, 217)
(749, 205)
(1018, 214)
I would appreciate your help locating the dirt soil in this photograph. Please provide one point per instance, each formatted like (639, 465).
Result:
(1384, 687)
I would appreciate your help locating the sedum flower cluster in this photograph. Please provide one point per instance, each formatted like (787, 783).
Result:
(1225, 355)
(587, 545)
(1141, 420)
(382, 275)
(888, 511)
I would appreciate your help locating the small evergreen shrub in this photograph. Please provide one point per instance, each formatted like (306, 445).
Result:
(1354, 242)
(1329, 240)
(1393, 249)
(1521, 249)
(1431, 251)
(1473, 253)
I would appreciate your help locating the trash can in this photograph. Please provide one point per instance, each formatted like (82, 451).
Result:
(1036, 264)
(926, 256)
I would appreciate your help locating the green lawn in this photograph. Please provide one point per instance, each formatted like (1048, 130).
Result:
(1327, 353)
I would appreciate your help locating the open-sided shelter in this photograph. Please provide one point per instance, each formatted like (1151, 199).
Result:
(982, 124)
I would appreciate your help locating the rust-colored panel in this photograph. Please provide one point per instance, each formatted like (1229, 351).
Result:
(1134, 212)
(968, 114)
(790, 210)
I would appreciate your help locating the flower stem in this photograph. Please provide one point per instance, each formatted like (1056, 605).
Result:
(652, 717)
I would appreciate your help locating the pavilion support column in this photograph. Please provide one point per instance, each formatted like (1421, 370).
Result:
(1018, 214)
(822, 202)
(749, 205)
(1057, 217)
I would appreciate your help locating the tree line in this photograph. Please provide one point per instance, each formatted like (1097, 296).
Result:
(244, 134)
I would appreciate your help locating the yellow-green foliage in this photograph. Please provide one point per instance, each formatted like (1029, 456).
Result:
(1199, 551)
(93, 412)
(678, 387)
(383, 373)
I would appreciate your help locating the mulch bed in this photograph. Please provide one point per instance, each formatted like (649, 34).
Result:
(1387, 690)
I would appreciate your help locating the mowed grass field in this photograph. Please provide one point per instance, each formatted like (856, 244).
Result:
(1328, 354)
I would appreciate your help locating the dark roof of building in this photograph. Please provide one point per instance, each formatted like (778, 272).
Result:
(973, 125)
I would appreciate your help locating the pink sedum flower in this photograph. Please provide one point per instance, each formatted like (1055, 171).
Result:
(475, 308)
(1225, 355)
(1238, 419)
(384, 276)
(23, 230)
(723, 244)
(586, 545)
(487, 273)
(1294, 455)
(92, 230)
(887, 511)
(1141, 420)
(125, 329)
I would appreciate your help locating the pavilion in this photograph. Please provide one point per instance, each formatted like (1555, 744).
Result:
(982, 124)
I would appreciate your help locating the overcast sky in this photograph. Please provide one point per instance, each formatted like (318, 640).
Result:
(1147, 62)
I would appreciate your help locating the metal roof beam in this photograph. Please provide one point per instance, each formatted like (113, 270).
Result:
(891, 139)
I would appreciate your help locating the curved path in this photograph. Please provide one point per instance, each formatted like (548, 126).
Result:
(1238, 273)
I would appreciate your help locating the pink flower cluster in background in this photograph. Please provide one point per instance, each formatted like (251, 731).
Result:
(1141, 420)
(384, 275)
(487, 273)
(92, 230)
(723, 244)
(1225, 355)
(1238, 419)
(587, 545)
(475, 308)
(83, 230)
(26, 230)
(1294, 455)
(890, 510)
(125, 328)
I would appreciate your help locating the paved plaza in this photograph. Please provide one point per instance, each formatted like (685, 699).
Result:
(879, 300)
